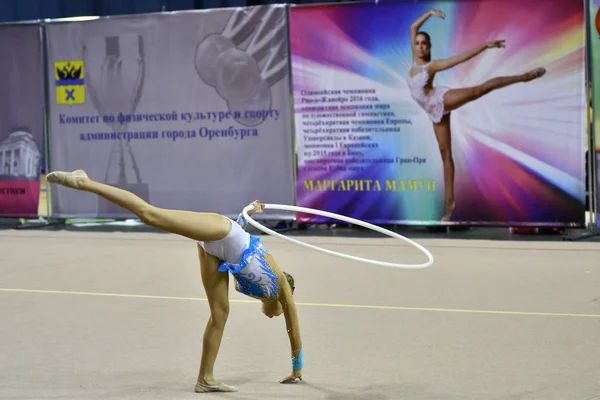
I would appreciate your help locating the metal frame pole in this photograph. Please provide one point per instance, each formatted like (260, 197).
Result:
(592, 229)
(47, 220)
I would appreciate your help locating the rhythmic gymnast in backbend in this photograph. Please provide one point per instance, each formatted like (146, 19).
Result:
(439, 101)
(223, 246)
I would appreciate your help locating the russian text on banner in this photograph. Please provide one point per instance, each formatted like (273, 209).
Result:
(188, 110)
(21, 120)
(376, 142)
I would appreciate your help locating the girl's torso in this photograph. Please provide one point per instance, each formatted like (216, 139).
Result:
(245, 257)
(420, 80)
(254, 276)
(231, 247)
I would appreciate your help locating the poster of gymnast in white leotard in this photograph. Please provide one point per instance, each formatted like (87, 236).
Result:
(438, 112)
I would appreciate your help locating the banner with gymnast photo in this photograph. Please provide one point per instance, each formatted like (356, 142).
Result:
(594, 15)
(188, 110)
(21, 120)
(478, 119)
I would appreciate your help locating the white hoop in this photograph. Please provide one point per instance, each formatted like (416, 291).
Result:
(341, 218)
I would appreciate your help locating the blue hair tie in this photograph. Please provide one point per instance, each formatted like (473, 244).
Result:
(298, 363)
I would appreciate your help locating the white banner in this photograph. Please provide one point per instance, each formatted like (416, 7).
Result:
(187, 110)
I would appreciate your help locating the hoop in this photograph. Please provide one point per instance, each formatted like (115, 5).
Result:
(341, 218)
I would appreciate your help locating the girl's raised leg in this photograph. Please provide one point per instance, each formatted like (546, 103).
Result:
(193, 225)
(456, 98)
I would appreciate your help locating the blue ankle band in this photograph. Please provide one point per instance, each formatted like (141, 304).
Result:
(298, 363)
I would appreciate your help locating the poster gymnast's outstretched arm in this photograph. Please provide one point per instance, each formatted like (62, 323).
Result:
(439, 101)
(224, 247)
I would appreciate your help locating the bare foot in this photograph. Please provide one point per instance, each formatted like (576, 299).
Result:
(449, 209)
(534, 74)
(203, 387)
(73, 180)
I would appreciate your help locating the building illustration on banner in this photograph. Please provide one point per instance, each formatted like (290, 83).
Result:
(70, 82)
(115, 87)
(236, 74)
(19, 157)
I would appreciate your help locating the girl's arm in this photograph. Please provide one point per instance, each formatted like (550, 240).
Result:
(258, 208)
(441, 65)
(414, 28)
(292, 324)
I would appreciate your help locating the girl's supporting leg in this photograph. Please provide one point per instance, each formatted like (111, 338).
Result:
(216, 285)
(444, 138)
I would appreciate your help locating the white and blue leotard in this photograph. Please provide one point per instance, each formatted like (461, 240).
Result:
(243, 256)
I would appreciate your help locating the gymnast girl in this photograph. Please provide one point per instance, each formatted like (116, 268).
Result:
(439, 101)
(224, 247)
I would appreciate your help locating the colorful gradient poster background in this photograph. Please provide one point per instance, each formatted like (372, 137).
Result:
(594, 14)
(366, 149)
